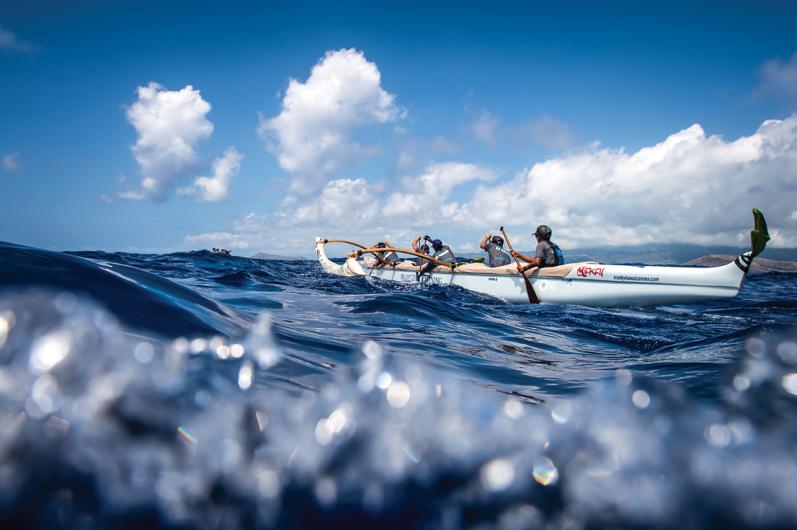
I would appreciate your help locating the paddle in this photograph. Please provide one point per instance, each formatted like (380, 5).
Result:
(421, 264)
(529, 289)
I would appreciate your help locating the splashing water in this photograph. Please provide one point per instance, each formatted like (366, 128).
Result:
(106, 422)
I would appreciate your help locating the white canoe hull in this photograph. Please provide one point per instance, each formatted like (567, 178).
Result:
(589, 284)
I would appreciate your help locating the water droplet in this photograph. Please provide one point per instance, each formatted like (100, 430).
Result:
(266, 356)
(789, 383)
(49, 350)
(755, 347)
(562, 411)
(223, 352)
(6, 323)
(323, 432)
(144, 352)
(326, 491)
(623, 376)
(383, 380)
(718, 435)
(741, 383)
(245, 375)
(237, 350)
(497, 475)
(186, 436)
(398, 395)
(513, 408)
(268, 483)
(372, 350)
(45, 397)
(337, 420)
(65, 302)
(545, 472)
(180, 345)
(641, 399)
(198, 345)
(787, 351)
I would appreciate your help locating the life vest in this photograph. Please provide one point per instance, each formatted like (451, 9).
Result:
(558, 256)
(557, 252)
(497, 256)
(445, 255)
(390, 257)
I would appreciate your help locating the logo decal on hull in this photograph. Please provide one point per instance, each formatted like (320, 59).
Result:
(590, 271)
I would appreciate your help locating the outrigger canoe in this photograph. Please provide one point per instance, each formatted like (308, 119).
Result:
(585, 283)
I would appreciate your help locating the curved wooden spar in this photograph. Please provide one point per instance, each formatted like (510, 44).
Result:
(374, 250)
(343, 241)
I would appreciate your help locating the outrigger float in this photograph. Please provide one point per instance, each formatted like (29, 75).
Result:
(586, 283)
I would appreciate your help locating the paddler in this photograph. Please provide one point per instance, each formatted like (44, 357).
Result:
(494, 246)
(441, 253)
(544, 255)
(420, 249)
(386, 258)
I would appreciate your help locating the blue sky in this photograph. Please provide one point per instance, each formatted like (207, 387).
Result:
(480, 114)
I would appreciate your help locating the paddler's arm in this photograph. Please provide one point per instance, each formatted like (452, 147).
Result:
(483, 244)
(415, 243)
(535, 262)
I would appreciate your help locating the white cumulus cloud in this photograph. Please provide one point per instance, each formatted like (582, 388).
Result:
(345, 202)
(779, 78)
(12, 163)
(230, 240)
(545, 130)
(169, 124)
(424, 198)
(689, 188)
(312, 136)
(9, 42)
(485, 128)
(214, 189)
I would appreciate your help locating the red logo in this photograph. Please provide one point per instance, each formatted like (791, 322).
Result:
(590, 271)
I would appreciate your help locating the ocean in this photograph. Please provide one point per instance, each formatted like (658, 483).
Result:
(193, 390)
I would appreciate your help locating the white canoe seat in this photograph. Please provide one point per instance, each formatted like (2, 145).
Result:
(481, 268)
(473, 267)
(407, 266)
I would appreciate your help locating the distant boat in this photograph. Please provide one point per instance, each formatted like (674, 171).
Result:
(585, 283)
(222, 251)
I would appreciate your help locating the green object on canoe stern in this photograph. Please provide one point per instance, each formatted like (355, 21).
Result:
(758, 235)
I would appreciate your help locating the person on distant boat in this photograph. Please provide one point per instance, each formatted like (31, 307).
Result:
(441, 253)
(546, 254)
(420, 249)
(496, 255)
(386, 258)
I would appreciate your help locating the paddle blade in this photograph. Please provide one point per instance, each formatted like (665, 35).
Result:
(530, 291)
(758, 235)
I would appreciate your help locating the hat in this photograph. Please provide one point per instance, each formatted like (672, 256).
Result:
(543, 231)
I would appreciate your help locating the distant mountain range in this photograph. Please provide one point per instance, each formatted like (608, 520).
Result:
(668, 254)
(760, 265)
(276, 257)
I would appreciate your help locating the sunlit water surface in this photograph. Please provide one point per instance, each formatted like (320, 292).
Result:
(201, 391)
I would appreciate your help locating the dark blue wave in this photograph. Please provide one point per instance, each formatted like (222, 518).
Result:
(141, 299)
(362, 403)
